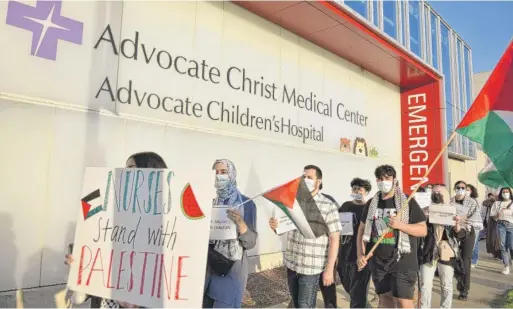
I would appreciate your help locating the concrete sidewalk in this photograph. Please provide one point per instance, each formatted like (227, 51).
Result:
(268, 289)
(487, 288)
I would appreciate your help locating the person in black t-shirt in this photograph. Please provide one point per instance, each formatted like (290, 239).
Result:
(394, 264)
(355, 283)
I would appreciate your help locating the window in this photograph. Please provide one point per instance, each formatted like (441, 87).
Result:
(414, 21)
(426, 55)
(359, 6)
(468, 78)
(468, 90)
(464, 140)
(390, 18)
(446, 69)
(461, 81)
(434, 41)
(375, 13)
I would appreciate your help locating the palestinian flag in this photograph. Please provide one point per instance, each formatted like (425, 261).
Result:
(489, 176)
(297, 203)
(489, 121)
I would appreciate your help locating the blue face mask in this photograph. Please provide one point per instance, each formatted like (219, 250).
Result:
(222, 181)
(357, 196)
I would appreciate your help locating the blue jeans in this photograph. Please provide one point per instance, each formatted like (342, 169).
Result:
(506, 236)
(475, 252)
(303, 289)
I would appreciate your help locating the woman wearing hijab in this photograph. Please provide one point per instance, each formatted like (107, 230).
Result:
(227, 266)
(472, 222)
(502, 212)
(138, 160)
(440, 251)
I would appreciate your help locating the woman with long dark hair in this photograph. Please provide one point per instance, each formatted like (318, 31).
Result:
(138, 160)
(440, 251)
(502, 212)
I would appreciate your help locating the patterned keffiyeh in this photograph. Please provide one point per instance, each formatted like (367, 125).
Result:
(229, 196)
(399, 200)
(473, 216)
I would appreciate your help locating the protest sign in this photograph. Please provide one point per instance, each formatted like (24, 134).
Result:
(346, 220)
(222, 227)
(442, 214)
(142, 237)
(423, 199)
(284, 223)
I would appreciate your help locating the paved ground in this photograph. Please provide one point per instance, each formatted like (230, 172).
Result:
(269, 289)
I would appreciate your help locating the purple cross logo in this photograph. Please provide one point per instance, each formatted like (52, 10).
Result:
(47, 24)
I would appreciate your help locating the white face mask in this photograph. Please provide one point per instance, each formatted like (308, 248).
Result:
(310, 184)
(461, 192)
(222, 181)
(506, 196)
(385, 186)
(357, 196)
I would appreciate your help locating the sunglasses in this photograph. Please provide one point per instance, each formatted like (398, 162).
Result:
(461, 188)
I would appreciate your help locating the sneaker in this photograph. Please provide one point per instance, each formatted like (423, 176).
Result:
(506, 270)
(463, 297)
(473, 265)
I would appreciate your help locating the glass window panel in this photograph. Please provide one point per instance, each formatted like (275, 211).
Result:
(434, 41)
(426, 31)
(459, 60)
(464, 140)
(446, 69)
(359, 6)
(390, 18)
(414, 20)
(468, 79)
(375, 13)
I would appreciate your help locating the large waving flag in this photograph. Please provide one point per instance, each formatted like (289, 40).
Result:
(491, 177)
(297, 202)
(489, 121)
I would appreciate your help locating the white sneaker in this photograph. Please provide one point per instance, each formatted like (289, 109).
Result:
(506, 270)
(473, 266)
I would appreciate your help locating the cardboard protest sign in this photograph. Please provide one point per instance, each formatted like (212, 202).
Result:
(423, 199)
(442, 214)
(346, 220)
(222, 227)
(142, 237)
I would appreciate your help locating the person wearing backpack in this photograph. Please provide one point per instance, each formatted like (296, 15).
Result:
(502, 212)
(439, 251)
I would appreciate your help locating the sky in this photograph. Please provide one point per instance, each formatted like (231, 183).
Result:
(486, 26)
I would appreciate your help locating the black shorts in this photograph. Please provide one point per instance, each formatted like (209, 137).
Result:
(402, 284)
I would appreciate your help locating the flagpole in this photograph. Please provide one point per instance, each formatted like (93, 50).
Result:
(258, 195)
(413, 193)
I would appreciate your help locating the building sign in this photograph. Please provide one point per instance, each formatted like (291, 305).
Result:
(421, 135)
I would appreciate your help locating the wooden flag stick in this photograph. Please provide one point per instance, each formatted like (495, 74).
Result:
(413, 193)
(19, 299)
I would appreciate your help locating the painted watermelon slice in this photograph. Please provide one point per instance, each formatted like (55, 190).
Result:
(190, 207)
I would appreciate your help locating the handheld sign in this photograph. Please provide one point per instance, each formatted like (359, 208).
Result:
(142, 237)
(284, 223)
(442, 214)
(221, 227)
(423, 199)
(346, 220)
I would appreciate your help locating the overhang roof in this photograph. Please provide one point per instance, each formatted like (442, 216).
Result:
(337, 29)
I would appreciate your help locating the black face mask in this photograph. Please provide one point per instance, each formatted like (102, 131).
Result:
(437, 198)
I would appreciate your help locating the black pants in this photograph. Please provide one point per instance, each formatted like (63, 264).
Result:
(466, 249)
(355, 283)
